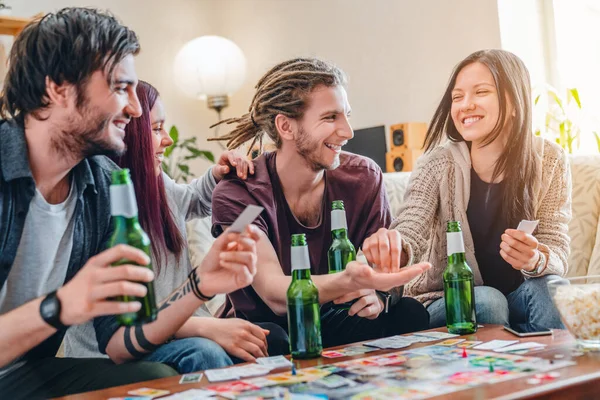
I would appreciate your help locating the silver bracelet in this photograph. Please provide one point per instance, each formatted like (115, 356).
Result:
(538, 267)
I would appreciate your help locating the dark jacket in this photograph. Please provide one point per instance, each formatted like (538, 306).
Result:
(92, 219)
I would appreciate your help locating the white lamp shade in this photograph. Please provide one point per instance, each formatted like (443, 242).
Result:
(209, 66)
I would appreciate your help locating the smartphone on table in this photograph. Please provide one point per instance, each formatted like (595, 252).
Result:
(518, 333)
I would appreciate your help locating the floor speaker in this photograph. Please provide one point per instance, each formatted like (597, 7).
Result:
(402, 160)
(407, 135)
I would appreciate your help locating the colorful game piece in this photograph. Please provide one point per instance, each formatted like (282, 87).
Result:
(293, 369)
(464, 353)
(491, 366)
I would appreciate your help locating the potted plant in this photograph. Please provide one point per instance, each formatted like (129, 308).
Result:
(179, 154)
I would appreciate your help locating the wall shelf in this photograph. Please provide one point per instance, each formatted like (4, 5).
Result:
(10, 25)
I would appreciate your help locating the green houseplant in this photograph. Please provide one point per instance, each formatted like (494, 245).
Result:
(562, 118)
(179, 154)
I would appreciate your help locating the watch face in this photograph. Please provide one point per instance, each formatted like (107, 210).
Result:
(50, 308)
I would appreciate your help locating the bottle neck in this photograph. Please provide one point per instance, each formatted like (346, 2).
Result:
(455, 243)
(298, 274)
(121, 222)
(122, 201)
(300, 260)
(341, 233)
(456, 258)
(338, 220)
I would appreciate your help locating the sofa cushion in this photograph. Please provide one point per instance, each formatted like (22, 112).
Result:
(585, 171)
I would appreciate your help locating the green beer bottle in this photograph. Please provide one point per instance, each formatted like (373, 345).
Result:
(459, 287)
(304, 316)
(127, 230)
(342, 250)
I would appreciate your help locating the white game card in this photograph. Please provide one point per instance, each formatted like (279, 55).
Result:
(495, 344)
(437, 335)
(245, 218)
(521, 346)
(219, 375)
(274, 362)
(527, 226)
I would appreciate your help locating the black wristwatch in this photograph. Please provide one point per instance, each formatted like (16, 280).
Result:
(386, 298)
(50, 311)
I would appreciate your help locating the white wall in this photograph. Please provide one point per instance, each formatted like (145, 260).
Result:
(398, 54)
(162, 27)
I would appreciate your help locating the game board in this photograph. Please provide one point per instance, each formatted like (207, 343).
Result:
(412, 374)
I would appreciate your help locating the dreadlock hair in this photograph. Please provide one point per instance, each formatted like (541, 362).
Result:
(283, 90)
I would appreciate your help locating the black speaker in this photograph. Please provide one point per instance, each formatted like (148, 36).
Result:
(369, 142)
(398, 137)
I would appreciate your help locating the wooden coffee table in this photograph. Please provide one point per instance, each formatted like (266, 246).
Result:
(581, 381)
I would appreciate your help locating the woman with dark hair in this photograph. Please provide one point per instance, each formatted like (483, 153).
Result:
(163, 209)
(490, 174)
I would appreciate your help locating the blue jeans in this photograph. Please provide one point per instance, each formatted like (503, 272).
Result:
(529, 308)
(191, 355)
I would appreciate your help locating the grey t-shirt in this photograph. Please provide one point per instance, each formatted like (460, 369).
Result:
(186, 201)
(42, 259)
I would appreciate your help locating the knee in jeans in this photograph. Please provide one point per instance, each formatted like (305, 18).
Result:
(491, 306)
(206, 353)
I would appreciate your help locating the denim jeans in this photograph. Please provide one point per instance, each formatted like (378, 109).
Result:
(529, 308)
(195, 354)
(191, 355)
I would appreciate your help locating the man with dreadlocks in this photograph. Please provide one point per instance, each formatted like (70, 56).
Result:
(301, 104)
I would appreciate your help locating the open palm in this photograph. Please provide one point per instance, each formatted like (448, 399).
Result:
(230, 264)
(363, 276)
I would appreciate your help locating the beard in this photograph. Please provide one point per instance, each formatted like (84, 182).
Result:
(310, 150)
(84, 135)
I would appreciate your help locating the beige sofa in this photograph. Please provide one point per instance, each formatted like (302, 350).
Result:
(583, 229)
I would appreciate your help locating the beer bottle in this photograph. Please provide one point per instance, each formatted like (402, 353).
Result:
(342, 250)
(459, 287)
(304, 316)
(127, 230)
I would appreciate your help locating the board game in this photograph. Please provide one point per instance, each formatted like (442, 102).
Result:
(417, 373)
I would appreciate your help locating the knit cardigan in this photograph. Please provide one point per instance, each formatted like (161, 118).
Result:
(439, 191)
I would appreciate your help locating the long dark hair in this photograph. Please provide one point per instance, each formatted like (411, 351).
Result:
(66, 46)
(517, 161)
(153, 208)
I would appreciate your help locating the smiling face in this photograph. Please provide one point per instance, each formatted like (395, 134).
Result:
(475, 102)
(324, 128)
(96, 122)
(160, 137)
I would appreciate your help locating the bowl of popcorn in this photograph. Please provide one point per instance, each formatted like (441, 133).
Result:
(578, 302)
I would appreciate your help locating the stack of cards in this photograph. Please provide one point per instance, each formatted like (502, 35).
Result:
(234, 373)
(348, 351)
(192, 394)
(274, 362)
(521, 347)
(148, 392)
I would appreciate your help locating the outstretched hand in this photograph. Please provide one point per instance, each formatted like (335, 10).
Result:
(230, 264)
(363, 276)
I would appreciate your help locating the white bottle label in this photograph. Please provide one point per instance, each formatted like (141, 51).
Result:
(338, 219)
(300, 258)
(122, 201)
(455, 243)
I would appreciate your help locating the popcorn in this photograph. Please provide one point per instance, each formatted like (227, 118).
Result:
(579, 306)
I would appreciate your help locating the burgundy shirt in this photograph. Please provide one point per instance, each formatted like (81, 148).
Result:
(358, 181)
